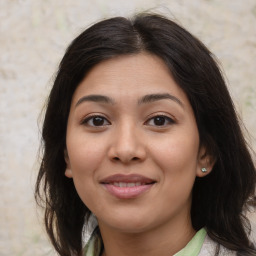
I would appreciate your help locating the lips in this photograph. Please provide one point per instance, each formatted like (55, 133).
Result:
(127, 186)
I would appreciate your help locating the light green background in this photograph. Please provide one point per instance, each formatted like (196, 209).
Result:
(33, 37)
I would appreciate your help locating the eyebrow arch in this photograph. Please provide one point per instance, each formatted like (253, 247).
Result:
(95, 98)
(159, 96)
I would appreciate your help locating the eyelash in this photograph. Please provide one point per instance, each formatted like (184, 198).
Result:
(167, 119)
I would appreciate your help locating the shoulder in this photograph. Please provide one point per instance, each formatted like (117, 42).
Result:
(209, 249)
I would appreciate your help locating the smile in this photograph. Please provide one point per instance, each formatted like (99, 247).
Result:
(127, 186)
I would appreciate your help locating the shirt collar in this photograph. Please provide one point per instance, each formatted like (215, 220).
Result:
(94, 246)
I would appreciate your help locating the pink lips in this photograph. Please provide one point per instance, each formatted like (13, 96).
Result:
(127, 186)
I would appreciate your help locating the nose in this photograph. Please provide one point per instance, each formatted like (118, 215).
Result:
(127, 145)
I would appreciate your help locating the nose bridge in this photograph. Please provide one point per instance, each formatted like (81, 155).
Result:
(126, 136)
(127, 143)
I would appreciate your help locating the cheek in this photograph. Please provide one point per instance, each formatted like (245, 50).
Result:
(85, 158)
(176, 151)
(177, 159)
(85, 154)
(177, 156)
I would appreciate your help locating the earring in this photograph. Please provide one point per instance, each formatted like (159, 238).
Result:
(204, 170)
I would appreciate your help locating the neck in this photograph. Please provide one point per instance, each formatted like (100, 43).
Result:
(164, 240)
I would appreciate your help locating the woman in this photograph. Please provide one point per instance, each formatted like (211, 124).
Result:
(140, 132)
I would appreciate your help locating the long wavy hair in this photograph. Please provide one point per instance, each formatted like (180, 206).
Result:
(219, 199)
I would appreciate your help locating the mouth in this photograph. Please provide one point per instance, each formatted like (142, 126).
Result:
(127, 186)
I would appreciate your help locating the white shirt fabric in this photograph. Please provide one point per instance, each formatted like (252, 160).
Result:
(209, 249)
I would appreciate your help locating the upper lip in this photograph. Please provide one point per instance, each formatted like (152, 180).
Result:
(131, 178)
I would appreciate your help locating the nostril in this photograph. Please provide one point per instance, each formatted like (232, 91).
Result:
(133, 159)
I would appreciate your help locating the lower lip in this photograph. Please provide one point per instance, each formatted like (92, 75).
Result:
(127, 192)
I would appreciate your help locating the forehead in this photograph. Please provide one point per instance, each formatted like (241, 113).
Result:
(129, 77)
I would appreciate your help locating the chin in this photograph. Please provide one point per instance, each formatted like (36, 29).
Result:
(129, 224)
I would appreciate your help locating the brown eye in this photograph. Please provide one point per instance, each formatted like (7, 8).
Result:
(160, 121)
(96, 121)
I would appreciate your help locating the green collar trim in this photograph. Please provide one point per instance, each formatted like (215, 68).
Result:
(194, 246)
(94, 246)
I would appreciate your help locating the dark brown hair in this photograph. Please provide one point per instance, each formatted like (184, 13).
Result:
(220, 198)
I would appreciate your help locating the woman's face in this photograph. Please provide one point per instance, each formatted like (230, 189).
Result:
(133, 145)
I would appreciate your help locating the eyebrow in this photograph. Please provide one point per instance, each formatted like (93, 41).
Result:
(95, 98)
(159, 96)
(144, 100)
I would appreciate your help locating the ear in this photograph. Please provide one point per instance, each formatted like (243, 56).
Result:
(205, 162)
(68, 171)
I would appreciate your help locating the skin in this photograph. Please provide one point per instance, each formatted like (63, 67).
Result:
(128, 139)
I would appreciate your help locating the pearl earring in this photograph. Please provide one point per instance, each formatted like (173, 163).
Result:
(204, 170)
